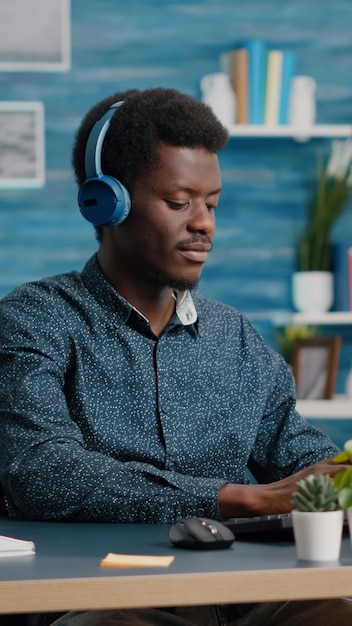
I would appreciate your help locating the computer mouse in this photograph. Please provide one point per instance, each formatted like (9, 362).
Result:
(200, 533)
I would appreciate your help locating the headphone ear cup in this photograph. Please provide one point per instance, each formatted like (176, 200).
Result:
(104, 201)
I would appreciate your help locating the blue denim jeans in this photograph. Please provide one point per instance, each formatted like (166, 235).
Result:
(309, 613)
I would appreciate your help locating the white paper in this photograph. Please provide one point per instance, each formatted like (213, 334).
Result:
(9, 546)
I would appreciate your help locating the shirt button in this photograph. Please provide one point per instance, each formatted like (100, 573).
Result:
(201, 512)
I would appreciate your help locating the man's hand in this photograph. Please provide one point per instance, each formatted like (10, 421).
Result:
(270, 498)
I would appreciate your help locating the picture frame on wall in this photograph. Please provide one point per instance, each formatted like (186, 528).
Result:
(35, 35)
(314, 366)
(22, 149)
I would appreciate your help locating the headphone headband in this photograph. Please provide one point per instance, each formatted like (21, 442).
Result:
(95, 142)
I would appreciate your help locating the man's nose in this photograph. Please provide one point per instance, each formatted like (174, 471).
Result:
(202, 218)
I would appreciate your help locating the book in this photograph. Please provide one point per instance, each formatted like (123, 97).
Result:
(349, 252)
(342, 267)
(273, 87)
(287, 73)
(9, 546)
(256, 79)
(239, 82)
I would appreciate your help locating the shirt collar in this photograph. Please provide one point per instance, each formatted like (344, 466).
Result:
(108, 297)
(185, 309)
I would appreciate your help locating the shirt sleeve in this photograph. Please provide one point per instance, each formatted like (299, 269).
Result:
(286, 442)
(46, 468)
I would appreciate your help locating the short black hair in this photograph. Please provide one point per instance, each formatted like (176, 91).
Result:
(145, 119)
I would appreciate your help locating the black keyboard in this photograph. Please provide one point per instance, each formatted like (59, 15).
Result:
(263, 528)
(266, 527)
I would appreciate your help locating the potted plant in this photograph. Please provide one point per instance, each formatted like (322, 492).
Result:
(343, 482)
(314, 249)
(317, 519)
(287, 336)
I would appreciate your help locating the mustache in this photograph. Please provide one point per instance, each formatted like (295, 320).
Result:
(202, 239)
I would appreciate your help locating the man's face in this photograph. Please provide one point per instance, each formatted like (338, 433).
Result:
(167, 236)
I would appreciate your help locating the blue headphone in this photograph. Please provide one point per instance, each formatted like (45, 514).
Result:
(102, 199)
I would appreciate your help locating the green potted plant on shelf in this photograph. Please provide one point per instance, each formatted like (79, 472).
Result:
(314, 248)
(317, 519)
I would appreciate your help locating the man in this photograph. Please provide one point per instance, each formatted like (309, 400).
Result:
(124, 397)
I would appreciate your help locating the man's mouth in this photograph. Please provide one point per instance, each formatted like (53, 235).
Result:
(196, 250)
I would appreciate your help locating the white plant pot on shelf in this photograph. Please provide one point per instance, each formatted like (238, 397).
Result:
(312, 292)
(318, 534)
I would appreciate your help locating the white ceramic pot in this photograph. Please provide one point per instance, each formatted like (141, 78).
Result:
(217, 93)
(312, 292)
(318, 535)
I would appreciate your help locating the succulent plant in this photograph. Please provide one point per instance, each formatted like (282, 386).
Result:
(316, 492)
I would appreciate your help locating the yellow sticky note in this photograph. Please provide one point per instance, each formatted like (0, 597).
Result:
(135, 560)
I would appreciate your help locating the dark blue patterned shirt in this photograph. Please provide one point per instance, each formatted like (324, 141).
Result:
(102, 420)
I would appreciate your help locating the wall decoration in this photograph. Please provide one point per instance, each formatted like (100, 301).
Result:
(314, 366)
(22, 153)
(35, 35)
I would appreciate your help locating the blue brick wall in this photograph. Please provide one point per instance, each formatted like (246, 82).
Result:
(138, 44)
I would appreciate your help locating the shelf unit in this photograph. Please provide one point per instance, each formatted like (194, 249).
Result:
(338, 407)
(303, 134)
(330, 318)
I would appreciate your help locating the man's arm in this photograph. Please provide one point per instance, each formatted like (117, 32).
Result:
(286, 449)
(267, 499)
(49, 467)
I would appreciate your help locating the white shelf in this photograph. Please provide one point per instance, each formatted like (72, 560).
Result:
(324, 319)
(303, 134)
(338, 408)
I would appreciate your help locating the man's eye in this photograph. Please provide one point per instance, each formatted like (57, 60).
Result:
(212, 207)
(177, 205)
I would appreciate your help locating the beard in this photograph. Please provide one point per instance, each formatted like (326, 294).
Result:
(165, 280)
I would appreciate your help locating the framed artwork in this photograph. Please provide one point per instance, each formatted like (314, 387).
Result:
(35, 35)
(314, 366)
(22, 152)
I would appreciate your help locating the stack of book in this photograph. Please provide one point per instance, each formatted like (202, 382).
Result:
(261, 79)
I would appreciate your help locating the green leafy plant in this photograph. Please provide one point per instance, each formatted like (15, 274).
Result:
(287, 336)
(316, 492)
(314, 249)
(343, 479)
